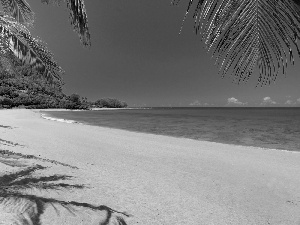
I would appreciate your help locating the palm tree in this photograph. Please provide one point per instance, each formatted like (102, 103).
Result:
(18, 47)
(243, 34)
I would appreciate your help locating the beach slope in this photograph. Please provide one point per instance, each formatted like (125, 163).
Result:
(158, 179)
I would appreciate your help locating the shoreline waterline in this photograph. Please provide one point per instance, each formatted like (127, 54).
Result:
(44, 116)
(227, 131)
(76, 122)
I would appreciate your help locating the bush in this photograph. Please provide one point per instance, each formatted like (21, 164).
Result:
(6, 103)
(110, 103)
(75, 98)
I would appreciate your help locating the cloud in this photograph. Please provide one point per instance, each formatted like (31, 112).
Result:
(195, 103)
(268, 101)
(235, 102)
(288, 102)
(198, 103)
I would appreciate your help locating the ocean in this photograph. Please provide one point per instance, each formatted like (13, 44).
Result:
(275, 128)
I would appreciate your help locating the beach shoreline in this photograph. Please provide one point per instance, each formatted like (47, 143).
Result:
(44, 115)
(162, 179)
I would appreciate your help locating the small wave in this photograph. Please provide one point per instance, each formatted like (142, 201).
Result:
(104, 109)
(58, 120)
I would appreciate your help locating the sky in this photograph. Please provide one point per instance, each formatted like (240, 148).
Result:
(138, 56)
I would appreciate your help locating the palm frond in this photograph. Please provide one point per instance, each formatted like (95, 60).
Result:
(8, 60)
(26, 49)
(20, 10)
(243, 34)
(78, 18)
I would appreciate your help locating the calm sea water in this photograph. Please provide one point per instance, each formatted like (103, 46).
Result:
(277, 128)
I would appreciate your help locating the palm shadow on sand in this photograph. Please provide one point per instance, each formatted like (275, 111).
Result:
(3, 126)
(29, 208)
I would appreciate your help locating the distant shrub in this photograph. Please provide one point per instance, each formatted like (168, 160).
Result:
(110, 103)
(75, 98)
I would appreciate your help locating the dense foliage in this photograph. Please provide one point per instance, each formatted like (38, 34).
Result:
(110, 103)
(34, 92)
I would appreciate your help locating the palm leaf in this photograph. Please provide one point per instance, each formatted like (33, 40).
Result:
(78, 18)
(21, 12)
(18, 45)
(18, 9)
(8, 61)
(243, 34)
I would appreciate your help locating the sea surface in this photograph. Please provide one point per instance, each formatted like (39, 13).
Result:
(275, 128)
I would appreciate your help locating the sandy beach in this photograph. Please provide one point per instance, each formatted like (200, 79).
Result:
(156, 179)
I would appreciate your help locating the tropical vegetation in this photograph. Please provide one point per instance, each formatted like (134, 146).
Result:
(18, 47)
(243, 34)
(110, 103)
(25, 61)
(35, 92)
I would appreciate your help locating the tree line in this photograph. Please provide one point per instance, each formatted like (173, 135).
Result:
(34, 92)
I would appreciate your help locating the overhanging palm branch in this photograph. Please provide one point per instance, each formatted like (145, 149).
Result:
(21, 11)
(78, 18)
(243, 34)
(18, 47)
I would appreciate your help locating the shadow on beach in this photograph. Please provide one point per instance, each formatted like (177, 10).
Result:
(26, 177)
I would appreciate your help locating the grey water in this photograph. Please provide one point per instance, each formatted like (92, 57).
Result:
(275, 128)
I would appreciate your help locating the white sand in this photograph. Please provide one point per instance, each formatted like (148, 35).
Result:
(164, 180)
